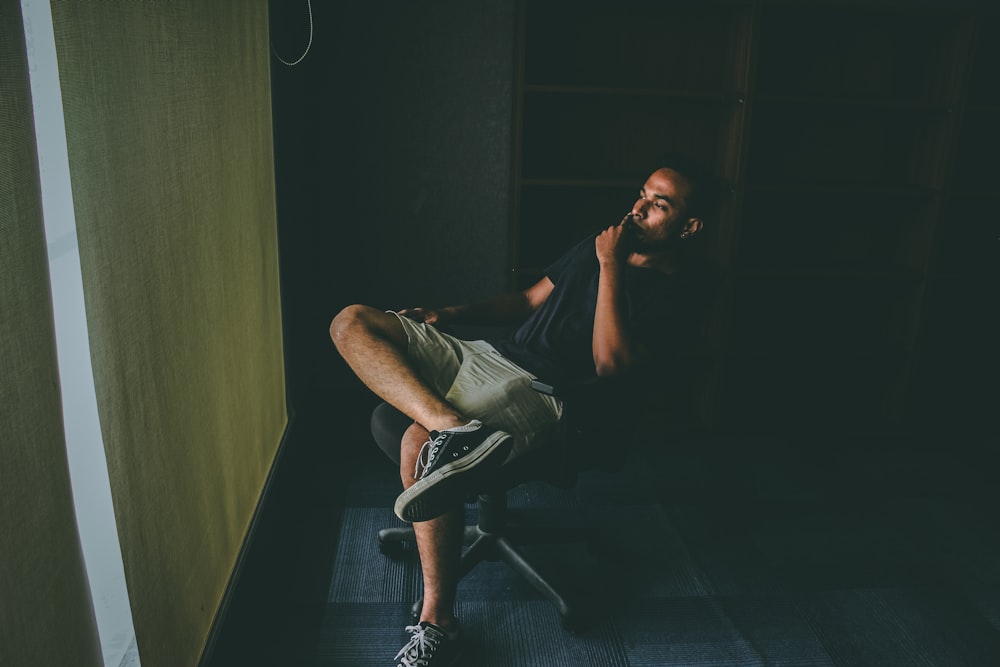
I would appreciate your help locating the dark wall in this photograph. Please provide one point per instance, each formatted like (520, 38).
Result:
(393, 140)
(393, 164)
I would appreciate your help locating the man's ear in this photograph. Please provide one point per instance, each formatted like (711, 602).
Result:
(692, 226)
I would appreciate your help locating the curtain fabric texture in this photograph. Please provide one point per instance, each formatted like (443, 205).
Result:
(168, 122)
(46, 616)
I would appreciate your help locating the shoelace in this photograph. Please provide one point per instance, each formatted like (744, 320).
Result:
(419, 647)
(430, 448)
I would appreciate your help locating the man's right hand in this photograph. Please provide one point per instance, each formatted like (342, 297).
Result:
(504, 309)
(615, 243)
(425, 315)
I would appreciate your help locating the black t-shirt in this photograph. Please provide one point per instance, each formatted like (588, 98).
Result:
(555, 342)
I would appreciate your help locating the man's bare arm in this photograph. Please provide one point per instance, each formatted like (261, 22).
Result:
(614, 351)
(511, 308)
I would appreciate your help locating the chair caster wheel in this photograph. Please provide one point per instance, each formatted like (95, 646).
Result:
(390, 548)
(570, 622)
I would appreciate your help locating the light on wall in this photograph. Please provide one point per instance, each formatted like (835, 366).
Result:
(84, 442)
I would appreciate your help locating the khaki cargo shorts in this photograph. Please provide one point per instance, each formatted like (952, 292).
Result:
(482, 384)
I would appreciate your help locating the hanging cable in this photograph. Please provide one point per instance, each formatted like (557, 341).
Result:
(308, 46)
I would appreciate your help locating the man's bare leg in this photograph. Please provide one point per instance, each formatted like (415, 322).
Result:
(373, 343)
(439, 542)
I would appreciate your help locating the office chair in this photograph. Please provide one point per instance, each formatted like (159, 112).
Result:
(493, 537)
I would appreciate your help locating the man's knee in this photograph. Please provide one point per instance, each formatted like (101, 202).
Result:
(345, 321)
(353, 321)
(349, 320)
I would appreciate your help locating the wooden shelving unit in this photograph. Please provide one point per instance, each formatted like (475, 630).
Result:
(855, 137)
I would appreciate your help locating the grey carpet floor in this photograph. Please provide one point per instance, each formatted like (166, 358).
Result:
(733, 554)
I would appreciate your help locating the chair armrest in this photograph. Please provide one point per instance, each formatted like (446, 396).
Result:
(593, 411)
(543, 388)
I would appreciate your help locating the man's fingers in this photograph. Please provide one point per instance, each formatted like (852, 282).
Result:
(416, 314)
(424, 315)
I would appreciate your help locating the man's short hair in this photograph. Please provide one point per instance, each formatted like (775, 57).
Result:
(706, 187)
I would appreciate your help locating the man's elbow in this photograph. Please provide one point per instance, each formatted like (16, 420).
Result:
(612, 367)
(619, 362)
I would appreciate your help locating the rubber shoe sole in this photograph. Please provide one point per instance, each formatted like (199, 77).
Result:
(445, 488)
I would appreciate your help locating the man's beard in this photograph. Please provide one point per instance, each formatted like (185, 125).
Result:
(644, 246)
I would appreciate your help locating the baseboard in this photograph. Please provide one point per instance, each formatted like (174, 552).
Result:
(219, 622)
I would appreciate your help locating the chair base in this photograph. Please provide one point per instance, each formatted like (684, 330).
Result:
(497, 544)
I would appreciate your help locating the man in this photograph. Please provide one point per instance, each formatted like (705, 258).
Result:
(602, 310)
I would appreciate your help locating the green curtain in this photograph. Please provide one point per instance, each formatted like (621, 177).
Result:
(168, 122)
(46, 616)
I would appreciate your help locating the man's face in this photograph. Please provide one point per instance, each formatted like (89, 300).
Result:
(660, 214)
